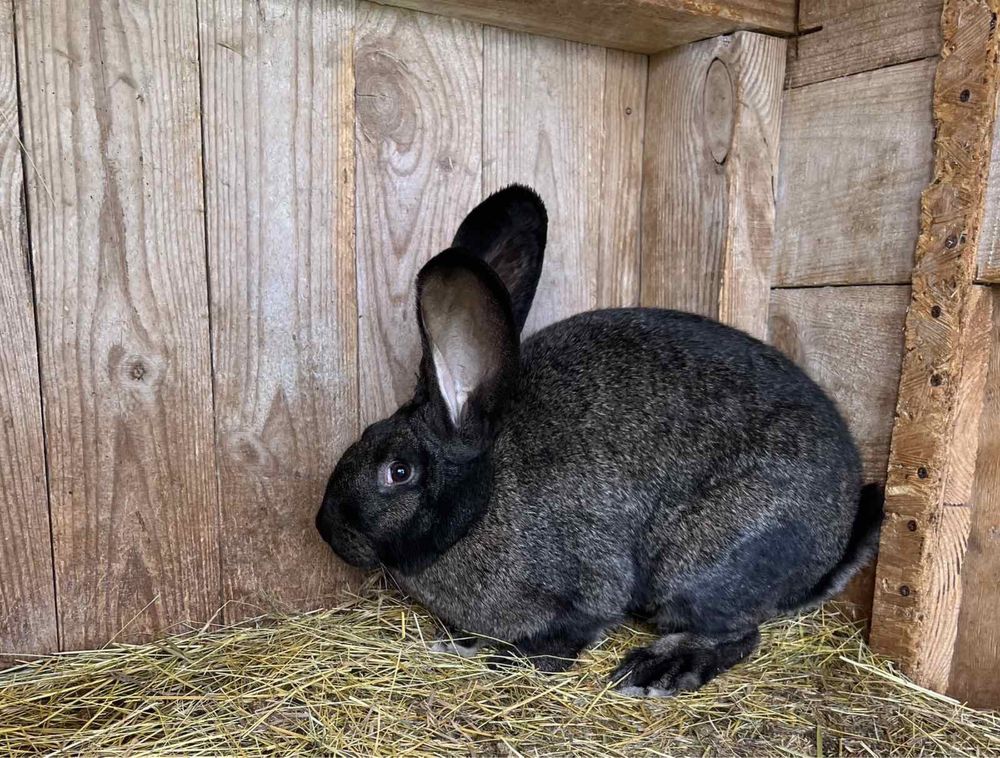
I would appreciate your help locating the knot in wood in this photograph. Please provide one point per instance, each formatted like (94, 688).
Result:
(719, 110)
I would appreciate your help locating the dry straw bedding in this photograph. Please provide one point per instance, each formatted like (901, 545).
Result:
(359, 680)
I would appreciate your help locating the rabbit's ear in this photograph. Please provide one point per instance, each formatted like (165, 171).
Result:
(470, 342)
(507, 230)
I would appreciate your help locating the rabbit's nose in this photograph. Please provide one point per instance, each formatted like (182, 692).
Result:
(323, 523)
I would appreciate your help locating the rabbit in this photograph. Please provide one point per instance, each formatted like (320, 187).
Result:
(630, 462)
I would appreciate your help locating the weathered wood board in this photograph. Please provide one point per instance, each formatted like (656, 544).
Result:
(850, 340)
(419, 151)
(641, 26)
(989, 238)
(278, 105)
(855, 156)
(710, 157)
(539, 128)
(27, 595)
(842, 37)
(621, 179)
(918, 587)
(975, 669)
(111, 122)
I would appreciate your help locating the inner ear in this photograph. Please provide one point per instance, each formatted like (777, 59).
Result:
(470, 341)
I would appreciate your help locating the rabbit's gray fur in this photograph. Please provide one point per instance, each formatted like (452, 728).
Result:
(632, 462)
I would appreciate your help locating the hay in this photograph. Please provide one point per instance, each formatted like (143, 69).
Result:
(359, 680)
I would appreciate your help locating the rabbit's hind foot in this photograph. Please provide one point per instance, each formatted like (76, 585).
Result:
(682, 662)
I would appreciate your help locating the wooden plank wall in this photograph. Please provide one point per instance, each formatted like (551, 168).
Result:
(110, 97)
(711, 153)
(856, 139)
(226, 203)
(27, 594)
(279, 193)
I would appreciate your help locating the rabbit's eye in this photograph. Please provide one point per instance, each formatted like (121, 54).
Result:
(397, 472)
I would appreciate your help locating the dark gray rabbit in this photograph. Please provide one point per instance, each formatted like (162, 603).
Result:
(621, 462)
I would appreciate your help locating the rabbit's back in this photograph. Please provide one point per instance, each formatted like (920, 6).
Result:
(690, 451)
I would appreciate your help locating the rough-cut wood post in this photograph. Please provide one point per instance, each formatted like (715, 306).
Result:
(934, 441)
(711, 149)
(975, 671)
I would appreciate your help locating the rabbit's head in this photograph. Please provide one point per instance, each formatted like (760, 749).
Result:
(416, 482)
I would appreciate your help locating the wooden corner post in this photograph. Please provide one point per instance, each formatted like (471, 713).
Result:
(713, 114)
(935, 437)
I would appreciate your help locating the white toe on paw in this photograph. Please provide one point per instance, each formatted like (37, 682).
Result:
(633, 691)
(455, 648)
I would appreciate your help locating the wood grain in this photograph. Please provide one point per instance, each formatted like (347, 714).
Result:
(641, 26)
(419, 151)
(278, 90)
(855, 156)
(621, 178)
(850, 340)
(916, 595)
(111, 122)
(710, 156)
(842, 37)
(539, 128)
(989, 239)
(27, 596)
(975, 670)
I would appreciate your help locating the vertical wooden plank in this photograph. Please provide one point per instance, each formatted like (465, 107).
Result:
(989, 240)
(710, 158)
(419, 150)
(850, 340)
(278, 86)
(975, 671)
(916, 594)
(27, 596)
(621, 179)
(541, 100)
(111, 113)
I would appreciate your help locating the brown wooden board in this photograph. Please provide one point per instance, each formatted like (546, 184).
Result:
(855, 156)
(975, 669)
(710, 157)
(111, 122)
(989, 239)
(642, 26)
(278, 104)
(419, 151)
(539, 128)
(850, 340)
(27, 596)
(621, 179)
(842, 37)
(918, 581)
